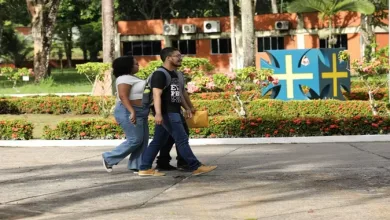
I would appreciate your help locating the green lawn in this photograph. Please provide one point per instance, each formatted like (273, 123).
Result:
(66, 81)
(40, 120)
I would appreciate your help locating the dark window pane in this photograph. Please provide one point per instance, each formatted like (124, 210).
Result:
(267, 43)
(192, 47)
(274, 43)
(280, 43)
(147, 48)
(260, 44)
(343, 39)
(214, 46)
(183, 46)
(126, 47)
(323, 43)
(175, 44)
(223, 46)
(137, 48)
(156, 45)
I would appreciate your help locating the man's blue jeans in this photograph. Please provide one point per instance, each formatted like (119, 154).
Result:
(137, 137)
(172, 123)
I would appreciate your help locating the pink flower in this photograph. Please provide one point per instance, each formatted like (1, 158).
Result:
(210, 85)
(275, 81)
(30, 71)
(238, 88)
(186, 70)
(191, 87)
(231, 75)
(256, 81)
(264, 84)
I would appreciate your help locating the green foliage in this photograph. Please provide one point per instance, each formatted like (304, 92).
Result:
(214, 103)
(15, 74)
(15, 48)
(227, 127)
(84, 129)
(93, 70)
(143, 73)
(91, 39)
(15, 130)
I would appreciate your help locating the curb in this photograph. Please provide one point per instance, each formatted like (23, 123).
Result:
(204, 141)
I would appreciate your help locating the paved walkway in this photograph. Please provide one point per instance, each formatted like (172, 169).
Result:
(269, 181)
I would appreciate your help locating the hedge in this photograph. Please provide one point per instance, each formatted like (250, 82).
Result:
(258, 107)
(224, 127)
(15, 130)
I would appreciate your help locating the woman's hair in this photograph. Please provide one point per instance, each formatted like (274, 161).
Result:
(123, 66)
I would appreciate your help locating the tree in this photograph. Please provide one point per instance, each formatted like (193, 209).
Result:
(102, 86)
(90, 40)
(274, 6)
(248, 32)
(43, 16)
(368, 24)
(16, 47)
(12, 13)
(329, 8)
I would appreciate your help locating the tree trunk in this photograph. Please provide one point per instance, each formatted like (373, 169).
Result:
(105, 87)
(233, 35)
(248, 33)
(43, 13)
(68, 46)
(274, 6)
(368, 36)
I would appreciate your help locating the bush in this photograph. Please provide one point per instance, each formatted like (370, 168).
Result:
(15, 130)
(215, 103)
(53, 105)
(225, 127)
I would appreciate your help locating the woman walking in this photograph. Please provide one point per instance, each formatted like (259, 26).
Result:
(129, 114)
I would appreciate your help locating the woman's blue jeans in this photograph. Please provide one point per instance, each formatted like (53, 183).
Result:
(173, 125)
(137, 137)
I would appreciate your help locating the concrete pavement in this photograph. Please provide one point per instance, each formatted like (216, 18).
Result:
(268, 181)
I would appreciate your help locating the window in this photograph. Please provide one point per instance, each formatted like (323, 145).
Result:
(342, 42)
(270, 43)
(185, 46)
(142, 48)
(221, 46)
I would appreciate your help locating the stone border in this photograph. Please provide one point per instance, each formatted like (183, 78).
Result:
(205, 141)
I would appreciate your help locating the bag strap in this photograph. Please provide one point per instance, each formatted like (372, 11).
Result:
(168, 78)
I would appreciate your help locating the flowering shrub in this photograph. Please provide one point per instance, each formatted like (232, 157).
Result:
(225, 127)
(371, 71)
(15, 130)
(84, 129)
(15, 75)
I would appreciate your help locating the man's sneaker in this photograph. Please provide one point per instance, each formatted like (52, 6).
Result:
(150, 172)
(134, 170)
(106, 166)
(165, 167)
(203, 169)
(184, 168)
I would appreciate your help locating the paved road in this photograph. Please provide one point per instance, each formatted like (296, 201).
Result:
(285, 181)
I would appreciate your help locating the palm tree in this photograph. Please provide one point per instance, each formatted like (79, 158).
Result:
(329, 8)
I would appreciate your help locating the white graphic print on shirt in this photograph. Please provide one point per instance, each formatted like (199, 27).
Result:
(175, 91)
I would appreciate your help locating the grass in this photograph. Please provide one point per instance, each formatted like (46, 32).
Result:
(40, 120)
(66, 81)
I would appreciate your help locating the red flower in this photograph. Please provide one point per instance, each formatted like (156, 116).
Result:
(375, 125)
(292, 130)
(270, 78)
(14, 136)
(333, 126)
(82, 134)
(276, 132)
(197, 130)
(267, 135)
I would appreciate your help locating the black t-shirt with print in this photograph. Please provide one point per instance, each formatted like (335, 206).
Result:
(171, 97)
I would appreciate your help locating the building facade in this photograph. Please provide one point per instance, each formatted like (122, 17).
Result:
(210, 37)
